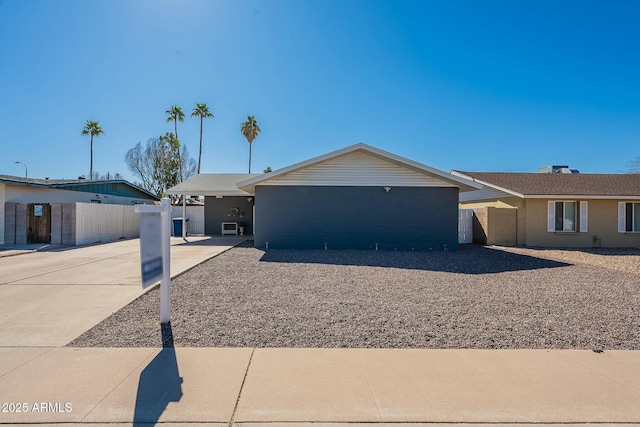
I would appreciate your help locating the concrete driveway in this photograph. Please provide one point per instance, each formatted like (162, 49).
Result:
(49, 298)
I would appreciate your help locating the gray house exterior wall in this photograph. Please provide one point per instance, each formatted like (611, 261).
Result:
(216, 211)
(405, 218)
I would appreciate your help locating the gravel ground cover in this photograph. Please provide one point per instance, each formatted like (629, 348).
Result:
(476, 297)
(621, 259)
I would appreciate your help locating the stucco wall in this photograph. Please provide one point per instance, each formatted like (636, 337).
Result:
(503, 226)
(217, 211)
(515, 218)
(495, 226)
(404, 218)
(602, 222)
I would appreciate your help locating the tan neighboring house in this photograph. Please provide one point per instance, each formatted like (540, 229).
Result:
(555, 209)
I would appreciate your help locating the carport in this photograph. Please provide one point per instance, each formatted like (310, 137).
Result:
(224, 202)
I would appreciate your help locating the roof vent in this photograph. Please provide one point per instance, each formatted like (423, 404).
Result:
(557, 169)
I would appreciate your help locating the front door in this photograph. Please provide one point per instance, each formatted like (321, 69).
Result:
(39, 215)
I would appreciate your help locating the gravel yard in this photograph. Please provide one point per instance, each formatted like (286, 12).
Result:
(477, 297)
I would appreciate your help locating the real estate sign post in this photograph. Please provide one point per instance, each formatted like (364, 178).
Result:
(155, 251)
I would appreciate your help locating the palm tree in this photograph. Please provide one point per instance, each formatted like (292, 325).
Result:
(250, 130)
(175, 115)
(202, 111)
(92, 128)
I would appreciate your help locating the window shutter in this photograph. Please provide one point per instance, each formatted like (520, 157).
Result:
(621, 217)
(551, 216)
(583, 217)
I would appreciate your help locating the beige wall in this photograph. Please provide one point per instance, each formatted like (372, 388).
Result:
(532, 224)
(502, 226)
(493, 234)
(602, 222)
(495, 226)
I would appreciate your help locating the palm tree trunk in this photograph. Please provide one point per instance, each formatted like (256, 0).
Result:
(91, 161)
(175, 128)
(200, 153)
(249, 157)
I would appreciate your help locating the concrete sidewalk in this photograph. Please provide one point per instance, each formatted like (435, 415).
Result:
(49, 298)
(255, 386)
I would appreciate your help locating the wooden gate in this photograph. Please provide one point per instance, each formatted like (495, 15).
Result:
(39, 220)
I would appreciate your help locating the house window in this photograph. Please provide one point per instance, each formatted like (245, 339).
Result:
(629, 217)
(567, 216)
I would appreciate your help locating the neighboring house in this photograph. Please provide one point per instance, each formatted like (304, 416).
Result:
(555, 209)
(359, 197)
(48, 195)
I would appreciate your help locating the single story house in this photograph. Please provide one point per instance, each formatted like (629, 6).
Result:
(555, 209)
(359, 197)
(28, 203)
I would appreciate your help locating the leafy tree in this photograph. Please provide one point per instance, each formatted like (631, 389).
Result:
(268, 169)
(158, 164)
(202, 111)
(250, 130)
(178, 158)
(92, 128)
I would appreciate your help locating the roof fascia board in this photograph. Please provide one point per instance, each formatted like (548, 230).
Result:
(368, 149)
(25, 184)
(497, 187)
(299, 165)
(113, 181)
(61, 186)
(420, 167)
(221, 194)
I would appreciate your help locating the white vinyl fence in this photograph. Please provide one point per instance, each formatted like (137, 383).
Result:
(465, 225)
(105, 223)
(195, 215)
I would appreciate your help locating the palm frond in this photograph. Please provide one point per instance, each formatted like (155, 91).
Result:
(201, 110)
(93, 128)
(175, 114)
(250, 128)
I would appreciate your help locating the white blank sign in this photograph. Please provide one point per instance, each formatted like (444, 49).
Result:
(150, 249)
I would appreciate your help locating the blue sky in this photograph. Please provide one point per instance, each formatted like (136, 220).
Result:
(469, 85)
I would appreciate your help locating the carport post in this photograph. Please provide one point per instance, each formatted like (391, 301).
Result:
(184, 217)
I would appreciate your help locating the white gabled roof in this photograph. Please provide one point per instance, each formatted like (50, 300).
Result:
(359, 165)
(213, 184)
